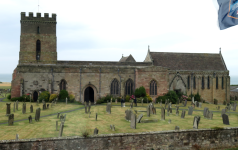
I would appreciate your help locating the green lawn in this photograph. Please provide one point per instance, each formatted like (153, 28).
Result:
(5, 87)
(77, 121)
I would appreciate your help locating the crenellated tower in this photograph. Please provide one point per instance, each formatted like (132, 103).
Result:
(38, 42)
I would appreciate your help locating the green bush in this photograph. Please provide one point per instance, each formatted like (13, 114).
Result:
(140, 92)
(171, 95)
(127, 99)
(215, 101)
(62, 96)
(9, 96)
(44, 96)
(20, 99)
(71, 98)
(197, 97)
(224, 102)
(26, 98)
(52, 97)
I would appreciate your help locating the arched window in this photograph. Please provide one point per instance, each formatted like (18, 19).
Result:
(194, 82)
(129, 87)
(114, 87)
(153, 88)
(62, 85)
(208, 82)
(188, 82)
(38, 30)
(216, 82)
(203, 87)
(38, 49)
(222, 83)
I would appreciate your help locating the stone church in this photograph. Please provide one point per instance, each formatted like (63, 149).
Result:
(39, 70)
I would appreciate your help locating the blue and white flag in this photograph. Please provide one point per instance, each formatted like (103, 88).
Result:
(227, 13)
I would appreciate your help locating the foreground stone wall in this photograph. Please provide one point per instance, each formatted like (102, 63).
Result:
(184, 139)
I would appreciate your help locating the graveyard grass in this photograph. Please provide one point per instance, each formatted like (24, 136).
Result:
(77, 121)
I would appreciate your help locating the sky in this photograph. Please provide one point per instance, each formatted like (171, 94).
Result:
(104, 30)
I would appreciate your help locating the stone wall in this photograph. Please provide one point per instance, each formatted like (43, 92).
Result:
(167, 140)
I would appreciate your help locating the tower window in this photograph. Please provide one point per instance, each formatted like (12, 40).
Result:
(216, 82)
(208, 82)
(38, 49)
(188, 82)
(38, 30)
(129, 87)
(114, 87)
(63, 85)
(153, 88)
(203, 87)
(194, 82)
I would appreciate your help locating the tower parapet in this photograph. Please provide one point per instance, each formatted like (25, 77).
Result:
(38, 17)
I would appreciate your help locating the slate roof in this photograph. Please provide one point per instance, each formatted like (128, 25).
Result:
(189, 61)
(127, 59)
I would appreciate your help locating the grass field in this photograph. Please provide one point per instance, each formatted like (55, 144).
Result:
(77, 121)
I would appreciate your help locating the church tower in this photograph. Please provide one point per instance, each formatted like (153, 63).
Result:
(38, 39)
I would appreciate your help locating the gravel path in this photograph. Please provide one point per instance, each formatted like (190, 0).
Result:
(1, 99)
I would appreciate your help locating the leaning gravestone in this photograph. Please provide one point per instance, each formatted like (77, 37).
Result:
(204, 111)
(58, 114)
(95, 131)
(225, 119)
(24, 108)
(139, 118)
(183, 114)
(10, 119)
(133, 120)
(176, 128)
(128, 114)
(37, 116)
(17, 105)
(162, 113)
(196, 121)
(8, 111)
(31, 109)
(61, 129)
(190, 110)
(30, 119)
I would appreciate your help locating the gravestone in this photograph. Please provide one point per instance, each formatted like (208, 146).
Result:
(30, 119)
(113, 128)
(133, 120)
(196, 121)
(162, 113)
(148, 111)
(168, 109)
(204, 111)
(190, 110)
(44, 106)
(37, 116)
(223, 111)
(8, 110)
(176, 128)
(210, 115)
(192, 99)
(95, 131)
(225, 119)
(183, 114)
(154, 110)
(61, 117)
(110, 126)
(65, 116)
(38, 102)
(24, 108)
(108, 108)
(58, 114)
(139, 118)
(149, 120)
(128, 114)
(85, 106)
(61, 129)
(48, 106)
(234, 107)
(96, 117)
(200, 105)
(195, 103)
(169, 121)
(168, 113)
(10, 119)
(31, 109)
(17, 105)
(185, 103)
(56, 125)
(17, 137)
(89, 106)
(14, 107)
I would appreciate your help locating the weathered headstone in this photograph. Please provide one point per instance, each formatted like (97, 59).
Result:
(168, 113)
(65, 116)
(113, 128)
(17, 137)
(192, 99)
(200, 105)
(61, 129)
(223, 111)
(96, 116)
(10, 119)
(148, 111)
(85, 106)
(58, 114)
(234, 107)
(95, 131)
(162, 113)
(185, 103)
(17, 105)
(110, 126)
(8, 110)
(190, 110)
(183, 114)
(30, 119)
(139, 118)
(176, 128)
(169, 121)
(89, 106)
(48, 106)
(37, 116)
(142, 101)
(14, 107)
(31, 109)
(210, 115)
(177, 110)
(196, 121)
(108, 108)
(133, 120)
(225, 119)
(204, 111)
(38, 102)
(128, 114)
(56, 125)
(24, 108)
(61, 117)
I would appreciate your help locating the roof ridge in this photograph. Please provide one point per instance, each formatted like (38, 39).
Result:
(183, 52)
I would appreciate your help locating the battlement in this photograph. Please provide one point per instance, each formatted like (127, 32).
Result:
(38, 17)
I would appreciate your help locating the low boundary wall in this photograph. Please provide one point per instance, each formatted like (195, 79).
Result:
(183, 139)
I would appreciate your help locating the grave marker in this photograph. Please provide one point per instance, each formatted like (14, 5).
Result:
(37, 116)
(139, 118)
(17, 105)
(10, 119)
(30, 119)
(225, 119)
(8, 110)
(162, 113)
(177, 128)
(61, 129)
(24, 108)
(95, 131)
(133, 120)
(183, 114)
(190, 110)
(31, 109)
(56, 125)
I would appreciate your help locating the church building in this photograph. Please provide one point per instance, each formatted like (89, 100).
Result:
(39, 70)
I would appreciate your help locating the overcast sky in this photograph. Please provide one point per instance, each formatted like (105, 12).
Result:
(103, 30)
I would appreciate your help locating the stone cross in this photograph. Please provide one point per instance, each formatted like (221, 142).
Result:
(8, 111)
(95, 131)
(133, 120)
(37, 116)
(162, 113)
(61, 129)
(17, 105)
(30, 119)
(225, 119)
(56, 125)
(183, 114)
(196, 121)
(31, 109)
(10, 119)
(24, 108)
